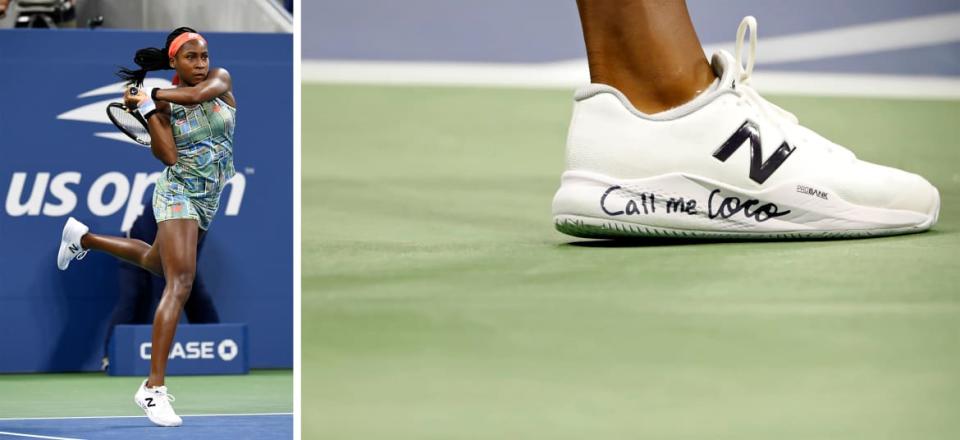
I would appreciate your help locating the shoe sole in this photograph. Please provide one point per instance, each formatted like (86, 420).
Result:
(590, 205)
(63, 247)
(586, 227)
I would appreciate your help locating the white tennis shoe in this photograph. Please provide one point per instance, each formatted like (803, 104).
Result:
(70, 248)
(727, 164)
(155, 402)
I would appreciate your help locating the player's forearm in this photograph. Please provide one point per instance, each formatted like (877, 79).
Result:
(190, 95)
(180, 95)
(161, 141)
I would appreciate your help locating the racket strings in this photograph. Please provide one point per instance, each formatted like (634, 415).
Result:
(129, 123)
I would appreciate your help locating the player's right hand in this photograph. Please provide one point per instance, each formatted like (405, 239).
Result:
(132, 101)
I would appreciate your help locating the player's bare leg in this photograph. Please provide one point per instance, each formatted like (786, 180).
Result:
(76, 240)
(177, 244)
(131, 250)
(647, 49)
(177, 240)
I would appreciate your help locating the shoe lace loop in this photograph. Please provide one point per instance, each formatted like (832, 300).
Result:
(748, 23)
(769, 109)
(82, 254)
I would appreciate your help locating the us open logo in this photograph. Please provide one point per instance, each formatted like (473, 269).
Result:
(55, 195)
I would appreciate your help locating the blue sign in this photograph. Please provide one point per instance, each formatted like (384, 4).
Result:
(61, 157)
(197, 349)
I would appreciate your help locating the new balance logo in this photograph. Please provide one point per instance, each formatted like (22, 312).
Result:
(74, 248)
(150, 403)
(760, 170)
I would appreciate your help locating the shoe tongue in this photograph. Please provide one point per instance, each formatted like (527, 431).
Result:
(158, 390)
(726, 68)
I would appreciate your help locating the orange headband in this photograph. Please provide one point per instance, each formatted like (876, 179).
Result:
(181, 40)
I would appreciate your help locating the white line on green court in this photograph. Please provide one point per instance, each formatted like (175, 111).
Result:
(572, 74)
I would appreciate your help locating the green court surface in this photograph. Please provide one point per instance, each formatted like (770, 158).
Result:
(96, 394)
(439, 302)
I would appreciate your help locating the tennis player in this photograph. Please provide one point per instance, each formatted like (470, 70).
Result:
(191, 128)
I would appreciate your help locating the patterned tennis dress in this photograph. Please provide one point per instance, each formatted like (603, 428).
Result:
(191, 187)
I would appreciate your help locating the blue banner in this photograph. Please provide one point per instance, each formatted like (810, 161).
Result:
(197, 349)
(61, 157)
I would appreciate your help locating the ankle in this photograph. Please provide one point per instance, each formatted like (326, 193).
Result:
(86, 240)
(655, 94)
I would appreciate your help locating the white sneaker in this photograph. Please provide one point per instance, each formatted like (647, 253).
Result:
(70, 243)
(727, 164)
(155, 402)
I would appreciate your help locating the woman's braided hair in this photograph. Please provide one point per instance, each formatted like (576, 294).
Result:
(149, 59)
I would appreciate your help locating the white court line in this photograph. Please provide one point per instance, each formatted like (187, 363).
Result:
(570, 75)
(854, 40)
(15, 434)
(129, 417)
(844, 84)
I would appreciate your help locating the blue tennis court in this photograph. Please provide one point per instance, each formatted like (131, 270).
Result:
(220, 426)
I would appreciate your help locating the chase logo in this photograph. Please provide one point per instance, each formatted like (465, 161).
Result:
(96, 111)
(226, 350)
(198, 349)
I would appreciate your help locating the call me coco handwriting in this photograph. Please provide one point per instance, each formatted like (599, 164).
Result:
(717, 206)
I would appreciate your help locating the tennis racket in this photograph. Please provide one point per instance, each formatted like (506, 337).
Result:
(129, 122)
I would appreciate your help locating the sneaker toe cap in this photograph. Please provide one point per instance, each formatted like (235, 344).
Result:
(883, 187)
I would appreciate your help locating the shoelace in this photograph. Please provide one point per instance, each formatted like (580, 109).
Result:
(82, 254)
(169, 396)
(745, 71)
(786, 121)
